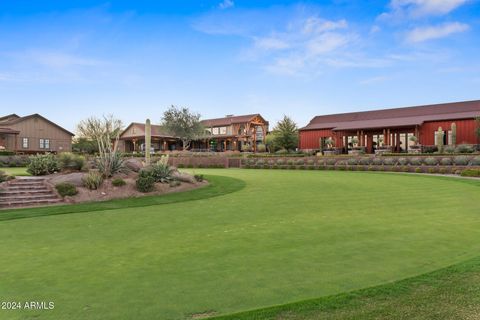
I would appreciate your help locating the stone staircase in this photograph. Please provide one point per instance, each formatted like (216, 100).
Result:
(27, 191)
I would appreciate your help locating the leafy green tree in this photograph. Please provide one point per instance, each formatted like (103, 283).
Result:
(184, 124)
(286, 134)
(271, 142)
(85, 145)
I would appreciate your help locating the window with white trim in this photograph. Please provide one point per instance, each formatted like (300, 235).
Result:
(47, 143)
(42, 144)
(25, 143)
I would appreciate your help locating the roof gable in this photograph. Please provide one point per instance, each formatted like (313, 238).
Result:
(35, 115)
(226, 121)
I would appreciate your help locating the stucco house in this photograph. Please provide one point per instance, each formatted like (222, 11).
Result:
(33, 134)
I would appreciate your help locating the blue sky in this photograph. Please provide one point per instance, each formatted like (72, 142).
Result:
(72, 59)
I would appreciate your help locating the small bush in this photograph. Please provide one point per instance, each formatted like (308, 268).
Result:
(415, 161)
(145, 183)
(442, 170)
(432, 170)
(340, 163)
(464, 148)
(70, 161)
(352, 162)
(161, 171)
(377, 161)
(3, 176)
(331, 162)
(290, 162)
(461, 160)
(66, 189)
(365, 161)
(389, 161)
(42, 164)
(475, 161)
(260, 162)
(470, 173)
(430, 161)
(402, 161)
(446, 161)
(118, 182)
(261, 147)
(199, 177)
(405, 169)
(418, 170)
(449, 149)
(92, 180)
(300, 162)
(280, 162)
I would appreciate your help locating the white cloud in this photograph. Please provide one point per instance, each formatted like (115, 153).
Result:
(400, 9)
(270, 43)
(421, 34)
(226, 4)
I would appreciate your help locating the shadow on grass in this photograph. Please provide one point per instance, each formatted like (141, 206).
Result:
(218, 186)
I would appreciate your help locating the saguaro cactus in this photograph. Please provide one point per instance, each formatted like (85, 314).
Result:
(148, 141)
(454, 134)
(439, 139)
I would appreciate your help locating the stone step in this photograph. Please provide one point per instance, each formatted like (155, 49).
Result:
(27, 203)
(26, 183)
(27, 197)
(7, 192)
(35, 187)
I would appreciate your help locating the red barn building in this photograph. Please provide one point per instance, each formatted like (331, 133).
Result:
(394, 127)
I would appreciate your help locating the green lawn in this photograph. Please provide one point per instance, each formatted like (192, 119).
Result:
(17, 171)
(285, 236)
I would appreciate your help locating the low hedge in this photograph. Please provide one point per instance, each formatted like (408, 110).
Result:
(470, 173)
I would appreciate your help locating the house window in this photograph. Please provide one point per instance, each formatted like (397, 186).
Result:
(25, 143)
(47, 143)
(42, 144)
(215, 130)
(223, 130)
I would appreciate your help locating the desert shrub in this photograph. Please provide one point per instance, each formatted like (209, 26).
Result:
(340, 168)
(377, 161)
(118, 182)
(300, 162)
(92, 180)
(461, 160)
(161, 171)
(252, 162)
(442, 170)
(432, 170)
(66, 189)
(446, 161)
(109, 163)
(282, 151)
(430, 149)
(199, 177)
(430, 161)
(42, 164)
(449, 149)
(310, 162)
(174, 183)
(389, 161)
(352, 161)
(364, 161)
(418, 170)
(340, 163)
(371, 168)
(470, 173)
(464, 148)
(405, 169)
(290, 162)
(71, 161)
(415, 161)
(280, 162)
(260, 162)
(402, 161)
(475, 161)
(145, 182)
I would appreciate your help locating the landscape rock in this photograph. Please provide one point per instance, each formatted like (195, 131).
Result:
(74, 178)
(133, 164)
(183, 177)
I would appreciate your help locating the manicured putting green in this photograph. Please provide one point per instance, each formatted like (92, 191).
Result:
(286, 236)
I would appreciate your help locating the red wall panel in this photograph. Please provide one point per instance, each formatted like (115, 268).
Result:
(311, 139)
(465, 131)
